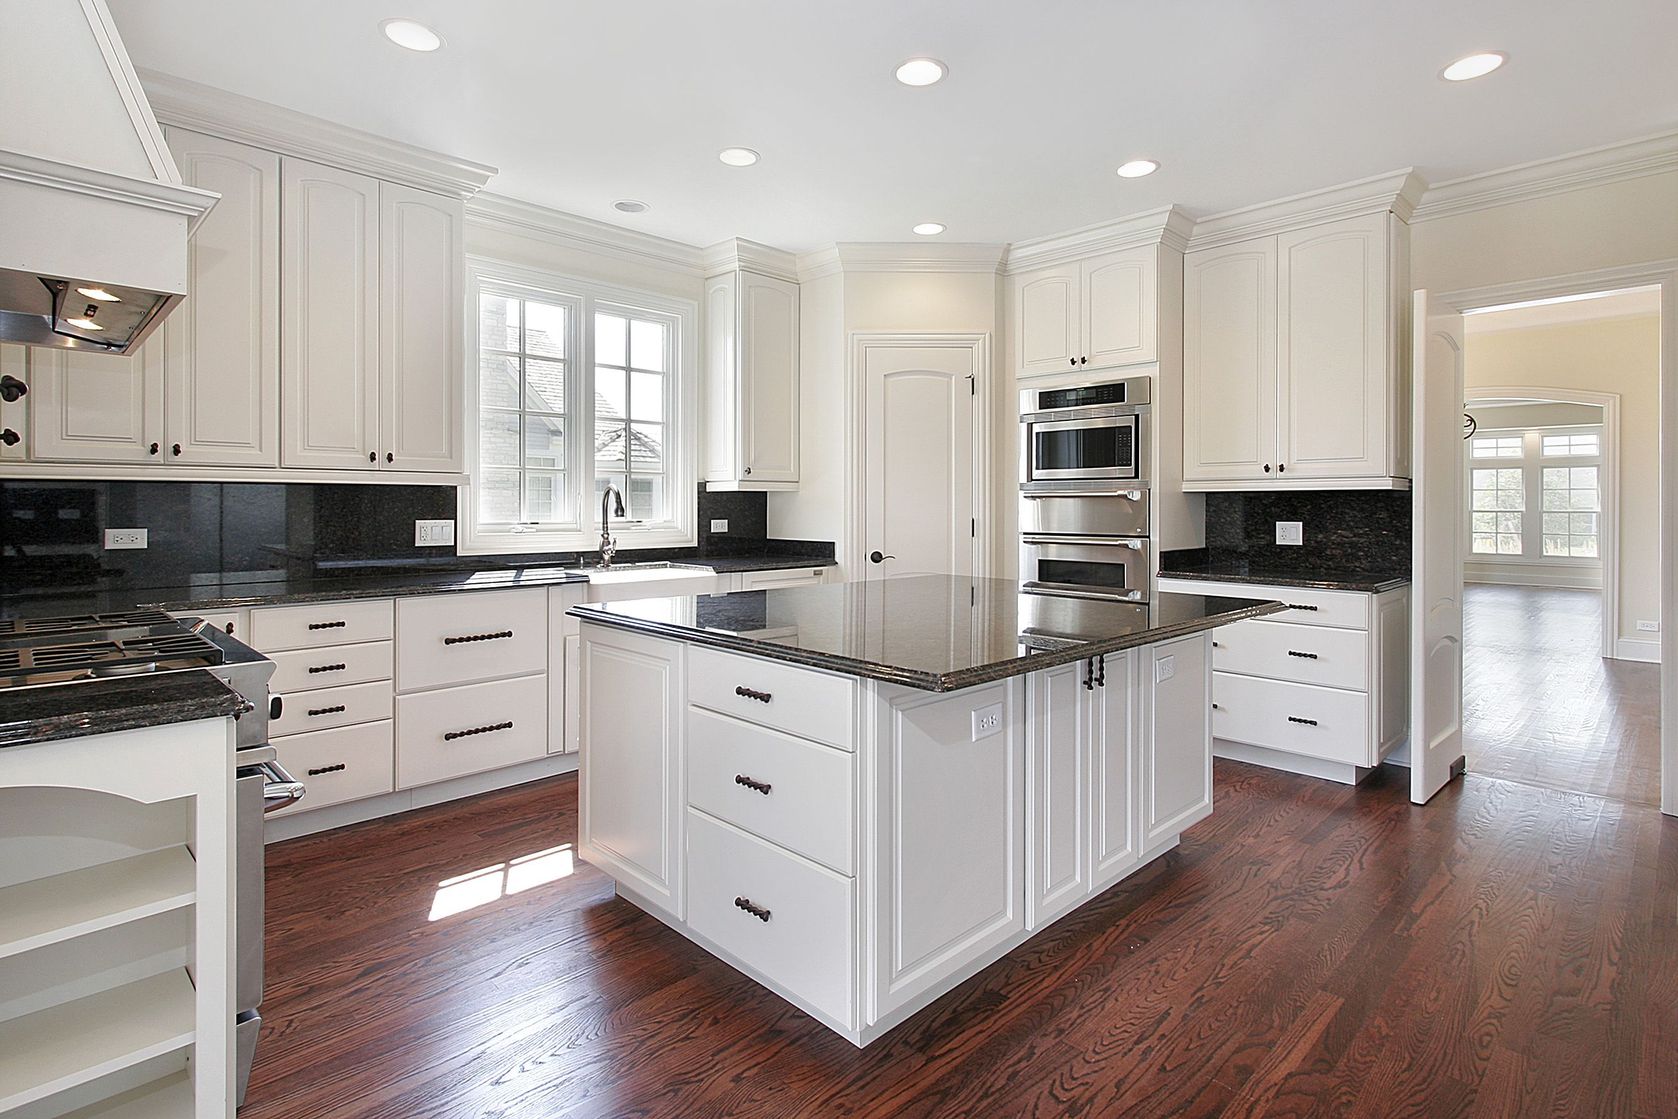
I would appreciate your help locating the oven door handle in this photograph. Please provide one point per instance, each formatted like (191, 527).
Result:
(1128, 495)
(1056, 590)
(280, 789)
(1131, 542)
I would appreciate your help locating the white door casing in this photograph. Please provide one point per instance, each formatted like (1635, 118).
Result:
(1436, 559)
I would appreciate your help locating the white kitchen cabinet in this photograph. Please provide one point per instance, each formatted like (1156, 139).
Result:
(421, 278)
(751, 382)
(1115, 710)
(1058, 789)
(92, 407)
(14, 414)
(1177, 762)
(1293, 366)
(329, 312)
(771, 580)
(1095, 313)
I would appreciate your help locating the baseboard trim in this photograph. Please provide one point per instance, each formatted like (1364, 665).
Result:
(1290, 763)
(1636, 649)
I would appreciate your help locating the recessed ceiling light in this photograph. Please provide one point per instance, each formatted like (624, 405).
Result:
(411, 34)
(738, 157)
(922, 71)
(929, 228)
(631, 206)
(1473, 66)
(1137, 168)
(100, 294)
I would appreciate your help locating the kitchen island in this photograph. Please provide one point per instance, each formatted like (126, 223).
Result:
(860, 794)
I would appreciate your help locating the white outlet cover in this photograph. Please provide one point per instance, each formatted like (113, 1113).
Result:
(119, 539)
(433, 534)
(1290, 532)
(987, 721)
(719, 525)
(1165, 669)
(1648, 627)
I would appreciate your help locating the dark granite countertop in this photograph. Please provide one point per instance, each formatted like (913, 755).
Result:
(937, 633)
(31, 715)
(1369, 581)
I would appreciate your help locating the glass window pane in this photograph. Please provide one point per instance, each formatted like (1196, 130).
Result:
(1509, 478)
(498, 438)
(498, 380)
(1555, 522)
(646, 498)
(610, 339)
(646, 448)
(1582, 524)
(646, 396)
(545, 329)
(544, 385)
(1583, 499)
(617, 480)
(610, 446)
(1485, 543)
(611, 400)
(1582, 477)
(544, 442)
(646, 344)
(544, 496)
(1555, 545)
(1509, 522)
(1509, 545)
(498, 322)
(495, 496)
(1485, 522)
(1584, 546)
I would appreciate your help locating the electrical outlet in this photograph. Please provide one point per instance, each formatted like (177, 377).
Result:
(987, 721)
(1165, 669)
(719, 525)
(433, 534)
(1648, 627)
(1290, 532)
(117, 539)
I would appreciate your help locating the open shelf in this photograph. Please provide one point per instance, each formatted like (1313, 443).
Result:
(52, 1050)
(63, 906)
(168, 1098)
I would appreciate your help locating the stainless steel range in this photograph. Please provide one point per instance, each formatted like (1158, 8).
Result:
(83, 648)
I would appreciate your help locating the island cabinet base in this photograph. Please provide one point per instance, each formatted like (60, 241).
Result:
(860, 847)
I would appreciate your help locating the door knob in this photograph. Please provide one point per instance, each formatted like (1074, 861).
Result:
(11, 388)
(878, 557)
(175, 449)
(9, 437)
(152, 450)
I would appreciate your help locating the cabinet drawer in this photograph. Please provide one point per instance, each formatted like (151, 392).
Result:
(1335, 658)
(331, 666)
(1304, 719)
(456, 731)
(331, 707)
(784, 789)
(800, 701)
(1346, 609)
(275, 628)
(805, 943)
(345, 763)
(461, 638)
(792, 577)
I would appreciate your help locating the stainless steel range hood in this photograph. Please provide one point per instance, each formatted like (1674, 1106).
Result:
(94, 218)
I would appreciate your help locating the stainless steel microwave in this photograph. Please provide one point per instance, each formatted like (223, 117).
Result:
(1085, 438)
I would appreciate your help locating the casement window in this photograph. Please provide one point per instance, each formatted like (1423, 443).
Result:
(1535, 496)
(574, 385)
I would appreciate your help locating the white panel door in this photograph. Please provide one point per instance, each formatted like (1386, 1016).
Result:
(329, 315)
(222, 359)
(768, 344)
(1057, 790)
(920, 466)
(91, 407)
(1115, 766)
(1332, 350)
(1229, 362)
(1436, 557)
(422, 346)
(1121, 308)
(1047, 334)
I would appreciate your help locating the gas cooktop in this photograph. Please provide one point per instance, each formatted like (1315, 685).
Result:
(67, 650)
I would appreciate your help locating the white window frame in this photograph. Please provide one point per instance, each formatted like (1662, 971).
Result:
(582, 532)
(1531, 464)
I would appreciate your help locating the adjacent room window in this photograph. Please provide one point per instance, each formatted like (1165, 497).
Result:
(1536, 496)
(1497, 446)
(1572, 503)
(575, 386)
(1498, 510)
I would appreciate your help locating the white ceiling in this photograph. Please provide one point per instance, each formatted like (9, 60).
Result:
(581, 102)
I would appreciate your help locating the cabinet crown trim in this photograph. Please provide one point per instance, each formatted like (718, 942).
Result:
(739, 254)
(1395, 191)
(855, 256)
(1169, 226)
(1611, 163)
(527, 219)
(232, 116)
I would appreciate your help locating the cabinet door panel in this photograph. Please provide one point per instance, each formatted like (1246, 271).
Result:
(421, 331)
(1057, 787)
(768, 345)
(1177, 765)
(88, 407)
(1046, 328)
(329, 311)
(1332, 349)
(1120, 309)
(1115, 763)
(1229, 362)
(222, 374)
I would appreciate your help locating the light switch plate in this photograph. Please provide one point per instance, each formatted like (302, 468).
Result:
(118, 539)
(1290, 532)
(719, 525)
(1165, 669)
(433, 534)
(987, 721)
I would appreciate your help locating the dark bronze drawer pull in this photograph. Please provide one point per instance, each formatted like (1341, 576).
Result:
(751, 693)
(756, 786)
(314, 668)
(490, 729)
(1302, 656)
(340, 767)
(325, 710)
(477, 637)
(1302, 722)
(327, 625)
(1301, 606)
(745, 905)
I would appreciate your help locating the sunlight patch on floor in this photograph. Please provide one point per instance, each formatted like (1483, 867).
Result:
(480, 887)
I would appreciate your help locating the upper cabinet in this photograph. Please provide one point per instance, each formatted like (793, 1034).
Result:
(422, 277)
(1293, 359)
(751, 382)
(1096, 313)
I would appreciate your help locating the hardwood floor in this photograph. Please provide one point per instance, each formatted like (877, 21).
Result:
(1311, 949)
(1541, 706)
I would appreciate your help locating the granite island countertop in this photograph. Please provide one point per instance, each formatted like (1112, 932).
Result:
(938, 633)
(1370, 582)
(47, 714)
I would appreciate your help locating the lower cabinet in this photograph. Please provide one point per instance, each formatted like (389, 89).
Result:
(1177, 750)
(341, 764)
(451, 732)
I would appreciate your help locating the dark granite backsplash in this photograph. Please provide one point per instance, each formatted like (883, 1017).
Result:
(1344, 530)
(52, 533)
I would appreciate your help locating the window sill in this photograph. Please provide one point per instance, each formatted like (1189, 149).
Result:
(518, 543)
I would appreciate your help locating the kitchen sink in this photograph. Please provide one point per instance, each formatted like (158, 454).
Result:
(652, 569)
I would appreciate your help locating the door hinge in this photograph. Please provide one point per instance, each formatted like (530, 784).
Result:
(973, 528)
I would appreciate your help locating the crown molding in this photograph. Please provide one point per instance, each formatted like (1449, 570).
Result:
(739, 253)
(858, 256)
(1543, 178)
(1394, 191)
(1168, 226)
(527, 219)
(233, 116)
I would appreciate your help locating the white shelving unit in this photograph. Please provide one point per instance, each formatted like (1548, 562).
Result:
(64, 906)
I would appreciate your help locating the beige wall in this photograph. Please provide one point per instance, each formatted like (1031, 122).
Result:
(1618, 356)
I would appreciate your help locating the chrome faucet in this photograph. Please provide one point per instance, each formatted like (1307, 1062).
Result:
(610, 498)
